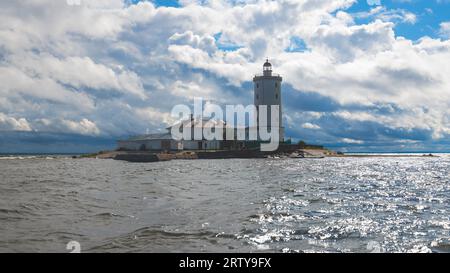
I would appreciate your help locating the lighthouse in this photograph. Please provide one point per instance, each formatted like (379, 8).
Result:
(267, 90)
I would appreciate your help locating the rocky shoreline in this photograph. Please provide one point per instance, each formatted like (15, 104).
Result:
(155, 156)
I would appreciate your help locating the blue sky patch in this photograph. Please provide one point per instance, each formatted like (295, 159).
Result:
(167, 3)
(225, 46)
(297, 45)
(429, 15)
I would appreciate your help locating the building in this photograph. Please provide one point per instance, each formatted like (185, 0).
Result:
(151, 142)
(165, 141)
(200, 124)
(267, 91)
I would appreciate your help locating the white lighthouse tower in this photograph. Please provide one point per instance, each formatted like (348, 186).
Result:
(268, 92)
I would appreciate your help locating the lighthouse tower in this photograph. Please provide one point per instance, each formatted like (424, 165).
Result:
(268, 92)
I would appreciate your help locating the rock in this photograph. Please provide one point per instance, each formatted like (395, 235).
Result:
(138, 157)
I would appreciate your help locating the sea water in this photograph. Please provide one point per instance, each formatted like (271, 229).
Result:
(373, 204)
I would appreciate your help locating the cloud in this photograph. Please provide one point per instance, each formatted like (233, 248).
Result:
(373, 2)
(82, 127)
(112, 68)
(445, 30)
(13, 124)
(205, 43)
(346, 43)
(310, 126)
(388, 15)
(352, 141)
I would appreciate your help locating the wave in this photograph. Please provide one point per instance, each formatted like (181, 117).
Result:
(26, 157)
(146, 239)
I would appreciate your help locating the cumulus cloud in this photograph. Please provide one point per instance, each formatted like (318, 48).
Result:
(352, 141)
(445, 29)
(82, 127)
(205, 43)
(116, 68)
(311, 126)
(13, 124)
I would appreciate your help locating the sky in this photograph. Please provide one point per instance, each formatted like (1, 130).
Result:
(372, 75)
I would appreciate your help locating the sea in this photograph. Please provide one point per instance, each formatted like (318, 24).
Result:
(50, 203)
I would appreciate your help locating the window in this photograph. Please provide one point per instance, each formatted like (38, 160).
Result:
(257, 97)
(276, 84)
(276, 96)
(257, 85)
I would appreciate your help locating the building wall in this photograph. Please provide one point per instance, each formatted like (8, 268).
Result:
(157, 144)
(267, 91)
(190, 145)
(204, 144)
(212, 145)
(136, 145)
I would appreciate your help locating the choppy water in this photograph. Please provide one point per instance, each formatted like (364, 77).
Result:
(263, 205)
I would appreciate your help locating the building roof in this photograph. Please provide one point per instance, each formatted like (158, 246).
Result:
(201, 123)
(196, 123)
